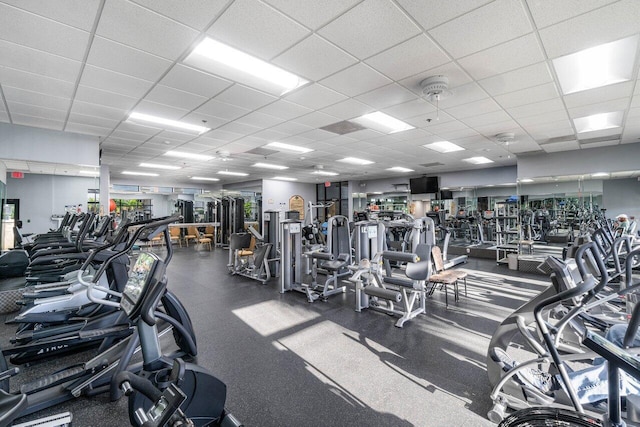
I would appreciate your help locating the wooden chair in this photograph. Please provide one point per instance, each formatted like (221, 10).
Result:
(444, 277)
(205, 241)
(208, 231)
(174, 233)
(192, 234)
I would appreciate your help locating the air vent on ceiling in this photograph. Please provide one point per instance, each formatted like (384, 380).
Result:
(260, 151)
(342, 128)
(564, 138)
(430, 165)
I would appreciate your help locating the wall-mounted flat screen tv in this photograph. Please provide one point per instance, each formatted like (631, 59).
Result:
(424, 185)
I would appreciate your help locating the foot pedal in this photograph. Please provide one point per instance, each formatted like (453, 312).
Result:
(54, 379)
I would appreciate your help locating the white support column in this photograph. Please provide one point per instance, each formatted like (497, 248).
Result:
(104, 189)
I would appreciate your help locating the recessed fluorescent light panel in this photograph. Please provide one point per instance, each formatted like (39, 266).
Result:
(382, 122)
(478, 160)
(156, 166)
(204, 178)
(598, 121)
(400, 169)
(289, 147)
(285, 178)
(139, 173)
(443, 147)
(133, 117)
(218, 58)
(92, 173)
(269, 166)
(191, 156)
(598, 66)
(325, 173)
(233, 173)
(356, 161)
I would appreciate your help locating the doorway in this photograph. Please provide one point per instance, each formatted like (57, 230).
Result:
(10, 217)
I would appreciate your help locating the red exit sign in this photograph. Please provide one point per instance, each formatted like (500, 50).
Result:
(18, 175)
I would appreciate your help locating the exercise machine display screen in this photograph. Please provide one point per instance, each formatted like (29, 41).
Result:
(139, 276)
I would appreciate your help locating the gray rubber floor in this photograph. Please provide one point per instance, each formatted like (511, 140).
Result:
(290, 363)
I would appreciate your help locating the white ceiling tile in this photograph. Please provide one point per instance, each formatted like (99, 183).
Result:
(600, 107)
(560, 146)
(128, 136)
(160, 110)
(545, 13)
(314, 58)
(536, 108)
(194, 81)
(384, 24)
(86, 129)
(315, 96)
(508, 56)
(138, 128)
(108, 99)
(76, 13)
(260, 120)
(430, 13)
(528, 95)
(93, 121)
(483, 27)
(222, 110)
(99, 78)
(408, 58)
(239, 128)
(316, 119)
(462, 95)
(194, 13)
(38, 122)
(244, 97)
(317, 135)
(39, 33)
(456, 75)
(34, 98)
(174, 97)
(355, 80)
(35, 82)
(285, 109)
(224, 135)
(175, 136)
(533, 75)
(196, 118)
(38, 62)
(554, 116)
(348, 109)
(37, 111)
(311, 13)
(126, 60)
(413, 108)
(130, 24)
(387, 96)
(290, 128)
(591, 29)
(257, 29)
(600, 94)
(549, 130)
(98, 110)
(492, 128)
(474, 108)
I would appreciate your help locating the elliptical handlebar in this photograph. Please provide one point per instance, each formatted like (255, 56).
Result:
(582, 267)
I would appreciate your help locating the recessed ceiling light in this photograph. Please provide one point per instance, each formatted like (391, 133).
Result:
(598, 66)
(400, 169)
(218, 58)
(443, 147)
(325, 173)
(167, 122)
(269, 166)
(382, 122)
(599, 174)
(139, 173)
(526, 180)
(192, 156)
(289, 147)
(233, 173)
(356, 161)
(204, 178)
(478, 160)
(93, 173)
(285, 178)
(156, 166)
(598, 121)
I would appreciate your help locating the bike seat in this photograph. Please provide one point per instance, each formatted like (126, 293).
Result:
(11, 405)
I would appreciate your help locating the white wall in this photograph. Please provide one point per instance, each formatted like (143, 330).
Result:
(44, 145)
(621, 196)
(276, 194)
(3, 172)
(44, 195)
(479, 177)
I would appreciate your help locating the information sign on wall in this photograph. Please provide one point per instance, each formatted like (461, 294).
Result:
(296, 203)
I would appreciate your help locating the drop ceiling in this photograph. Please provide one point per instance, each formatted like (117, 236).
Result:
(84, 66)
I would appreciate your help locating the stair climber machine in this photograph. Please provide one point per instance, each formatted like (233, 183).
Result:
(144, 291)
(294, 264)
(249, 260)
